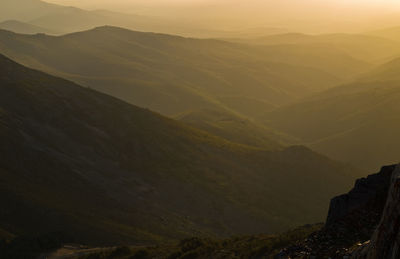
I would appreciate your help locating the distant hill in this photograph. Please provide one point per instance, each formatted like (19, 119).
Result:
(26, 10)
(392, 33)
(68, 19)
(368, 48)
(356, 123)
(98, 169)
(24, 28)
(171, 74)
(388, 71)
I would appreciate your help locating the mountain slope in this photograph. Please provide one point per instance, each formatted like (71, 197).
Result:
(392, 33)
(103, 171)
(165, 73)
(67, 19)
(24, 28)
(356, 123)
(388, 71)
(369, 48)
(26, 10)
(236, 129)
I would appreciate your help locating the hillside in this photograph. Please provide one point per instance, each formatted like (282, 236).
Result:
(392, 33)
(97, 169)
(26, 10)
(368, 48)
(67, 19)
(235, 129)
(170, 74)
(361, 222)
(388, 71)
(355, 123)
(24, 28)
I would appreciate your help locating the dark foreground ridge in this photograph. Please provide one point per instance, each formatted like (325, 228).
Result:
(370, 209)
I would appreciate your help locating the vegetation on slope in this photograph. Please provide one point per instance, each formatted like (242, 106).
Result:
(257, 246)
(171, 74)
(97, 169)
(235, 129)
(355, 123)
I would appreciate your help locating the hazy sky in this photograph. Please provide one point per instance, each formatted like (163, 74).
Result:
(248, 2)
(306, 15)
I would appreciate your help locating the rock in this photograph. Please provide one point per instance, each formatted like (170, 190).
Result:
(385, 242)
(353, 219)
(371, 190)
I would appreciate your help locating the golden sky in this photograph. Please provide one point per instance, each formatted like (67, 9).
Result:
(313, 16)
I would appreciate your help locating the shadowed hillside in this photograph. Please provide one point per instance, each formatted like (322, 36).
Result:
(356, 123)
(98, 169)
(25, 28)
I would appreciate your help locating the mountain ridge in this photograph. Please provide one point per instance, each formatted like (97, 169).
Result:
(89, 170)
(169, 74)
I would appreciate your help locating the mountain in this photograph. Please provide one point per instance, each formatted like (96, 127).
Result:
(169, 74)
(392, 33)
(327, 57)
(385, 72)
(235, 128)
(356, 123)
(367, 48)
(66, 19)
(26, 10)
(72, 19)
(24, 28)
(362, 224)
(98, 170)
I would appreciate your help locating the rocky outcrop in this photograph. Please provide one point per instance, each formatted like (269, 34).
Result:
(385, 242)
(368, 193)
(352, 220)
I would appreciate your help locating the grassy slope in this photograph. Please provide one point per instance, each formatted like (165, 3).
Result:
(235, 128)
(171, 74)
(356, 123)
(105, 171)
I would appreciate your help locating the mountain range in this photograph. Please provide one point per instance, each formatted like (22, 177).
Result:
(356, 122)
(214, 146)
(171, 74)
(59, 19)
(98, 169)
(24, 28)
(305, 82)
